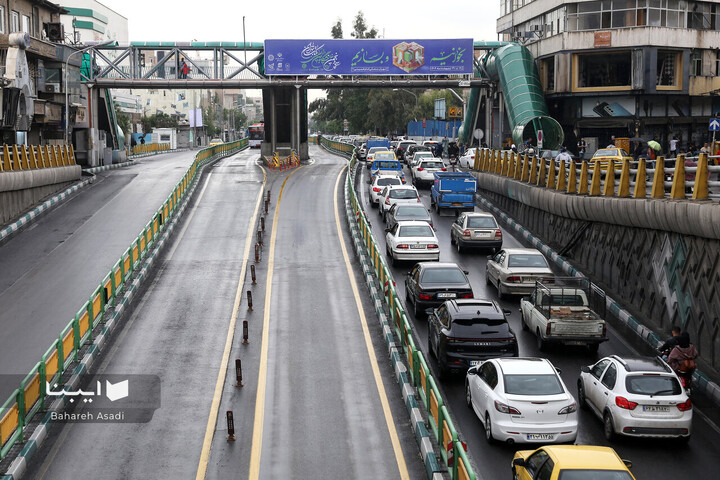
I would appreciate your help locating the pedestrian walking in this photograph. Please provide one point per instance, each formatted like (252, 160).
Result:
(673, 147)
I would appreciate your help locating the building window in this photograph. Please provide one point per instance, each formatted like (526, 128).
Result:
(669, 68)
(2, 19)
(26, 24)
(547, 70)
(717, 63)
(606, 70)
(35, 22)
(14, 22)
(696, 63)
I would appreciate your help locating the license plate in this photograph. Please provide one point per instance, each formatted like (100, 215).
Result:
(446, 295)
(574, 342)
(457, 204)
(482, 235)
(474, 362)
(540, 436)
(655, 408)
(417, 247)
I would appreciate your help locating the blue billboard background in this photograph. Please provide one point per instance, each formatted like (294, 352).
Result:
(369, 57)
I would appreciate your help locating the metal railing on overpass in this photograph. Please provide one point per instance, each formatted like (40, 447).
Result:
(689, 178)
(441, 426)
(31, 397)
(29, 157)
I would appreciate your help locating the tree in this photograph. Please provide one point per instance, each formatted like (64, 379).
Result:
(336, 31)
(123, 120)
(360, 28)
(159, 120)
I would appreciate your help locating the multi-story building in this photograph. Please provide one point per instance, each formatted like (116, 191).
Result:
(91, 21)
(647, 68)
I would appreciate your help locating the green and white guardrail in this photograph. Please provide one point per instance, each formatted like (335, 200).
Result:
(417, 375)
(30, 398)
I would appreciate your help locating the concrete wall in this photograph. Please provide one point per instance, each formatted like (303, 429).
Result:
(22, 189)
(660, 258)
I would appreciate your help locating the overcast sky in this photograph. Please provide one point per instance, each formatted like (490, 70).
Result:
(214, 20)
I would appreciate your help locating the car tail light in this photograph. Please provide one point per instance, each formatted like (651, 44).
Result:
(426, 296)
(685, 406)
(502, 408)
(418, 199)
(604, 329)
(403, 246)
(432, 246)
(466, 233)
(498, 234)
(444, 169)
(376, 189)
(569, 409)
(547, 328)
(623, 402)
(387, 201)
(514, 279)
(420, 169)
(466, 295)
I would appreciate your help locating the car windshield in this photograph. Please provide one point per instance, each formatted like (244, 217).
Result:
(443, 275)
(523, 260)
(412, 211)
(652, 385)
(377, 149)
(481, 222)
(389, 181)
(384, 156)
(587, 474)
(534, 384)
(432, 165)
(415, 231)
(403, 193)
(606, 152)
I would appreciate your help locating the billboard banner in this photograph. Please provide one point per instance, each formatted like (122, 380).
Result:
(369, 57)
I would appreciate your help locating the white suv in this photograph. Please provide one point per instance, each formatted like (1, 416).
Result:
(377, 185)
(423, 171)
(393, 194)
(521, 400)
(636, 396)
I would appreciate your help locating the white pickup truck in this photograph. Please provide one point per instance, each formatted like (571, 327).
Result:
(569, 311)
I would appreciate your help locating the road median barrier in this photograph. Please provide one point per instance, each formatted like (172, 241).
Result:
(87, 332)
(409, 363)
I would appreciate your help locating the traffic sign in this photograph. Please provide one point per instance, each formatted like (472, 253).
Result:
(424, 123)
(714, 125)
(540, 139)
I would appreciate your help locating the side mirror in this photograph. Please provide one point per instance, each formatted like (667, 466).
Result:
(559, 371)
(429, 311)
(489, 257)
(518, 462)
(472, 371)
(408, 273)
(525, 299)
(507, 311)
(466, 272)
(585, 369)
(627, 463)
(368, 182)
(387, 230)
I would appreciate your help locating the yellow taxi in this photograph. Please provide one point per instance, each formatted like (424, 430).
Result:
(215, 141)
(570, 462)
(607, 154)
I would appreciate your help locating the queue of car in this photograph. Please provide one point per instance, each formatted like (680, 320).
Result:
(518, 399)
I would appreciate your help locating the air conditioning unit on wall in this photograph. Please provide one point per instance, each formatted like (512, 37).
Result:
(55, 31)
(52, 88)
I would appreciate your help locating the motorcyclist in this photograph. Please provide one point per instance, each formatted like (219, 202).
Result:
(682, 356)
(670, 343)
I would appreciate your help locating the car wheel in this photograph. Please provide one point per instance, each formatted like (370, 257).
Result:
(416, 310)
(501, 295)
(431, 352)
(582, 399)
(468, 395)
(459, 247)
(452, 239)
(488, 429)
(541, 344)
(608, 427)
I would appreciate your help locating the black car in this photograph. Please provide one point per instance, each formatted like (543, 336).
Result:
(401, 211)
(412, 149)
(461, 333)
(429, 284)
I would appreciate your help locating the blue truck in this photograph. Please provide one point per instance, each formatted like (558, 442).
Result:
(454, 190)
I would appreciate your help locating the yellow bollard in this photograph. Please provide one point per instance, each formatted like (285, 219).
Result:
(518, 166)
(33, 158)
(541, 174)
(17, 164)
(25, 159)
(700, 191)
(624, 189)
(525, 174)
(595, 182)
(561, 176)
(551, 174)
(533, 169)
(583, 186)
(506, 164)
(51, 156)
(678, 183)
(72, 155)
(658, 185)
(609, 187)
(640, 182)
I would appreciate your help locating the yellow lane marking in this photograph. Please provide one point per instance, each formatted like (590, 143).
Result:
(215, 406)
(399, 458)
(256, 450)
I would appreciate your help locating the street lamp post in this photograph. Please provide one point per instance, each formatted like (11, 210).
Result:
(411, 93)
(67, 64)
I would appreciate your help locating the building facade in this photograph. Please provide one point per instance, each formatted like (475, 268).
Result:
(89, 21)
(628, 68)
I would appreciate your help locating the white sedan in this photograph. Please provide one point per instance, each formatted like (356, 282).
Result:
(377, 185)
(637, 397)
(393, 194)
(412, 240)
(468, 159)
(423, 172)
(514, 271)
(521, 400)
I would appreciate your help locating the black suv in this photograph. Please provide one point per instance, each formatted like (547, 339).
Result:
(461, 333)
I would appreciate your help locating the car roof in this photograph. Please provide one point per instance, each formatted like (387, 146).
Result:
(525, 365)
(427, 265)
(404, 185)
(481, 214)
(475, 307)
(512, 251)
(585, 457)
(642, 364)
(405, 223)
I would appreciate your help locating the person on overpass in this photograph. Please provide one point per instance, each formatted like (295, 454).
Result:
(564, 156)
(184, 70)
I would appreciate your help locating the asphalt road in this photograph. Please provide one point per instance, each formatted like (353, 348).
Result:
(324, 414)
(49, 270)
(651, 459)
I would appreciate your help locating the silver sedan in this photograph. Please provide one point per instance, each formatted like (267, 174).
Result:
(514, 271)
(412, 240)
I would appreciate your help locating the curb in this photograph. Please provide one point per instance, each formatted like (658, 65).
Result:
(422, 435)
(19, 465)
(110, 167)
(651, 338)
(150, 154)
